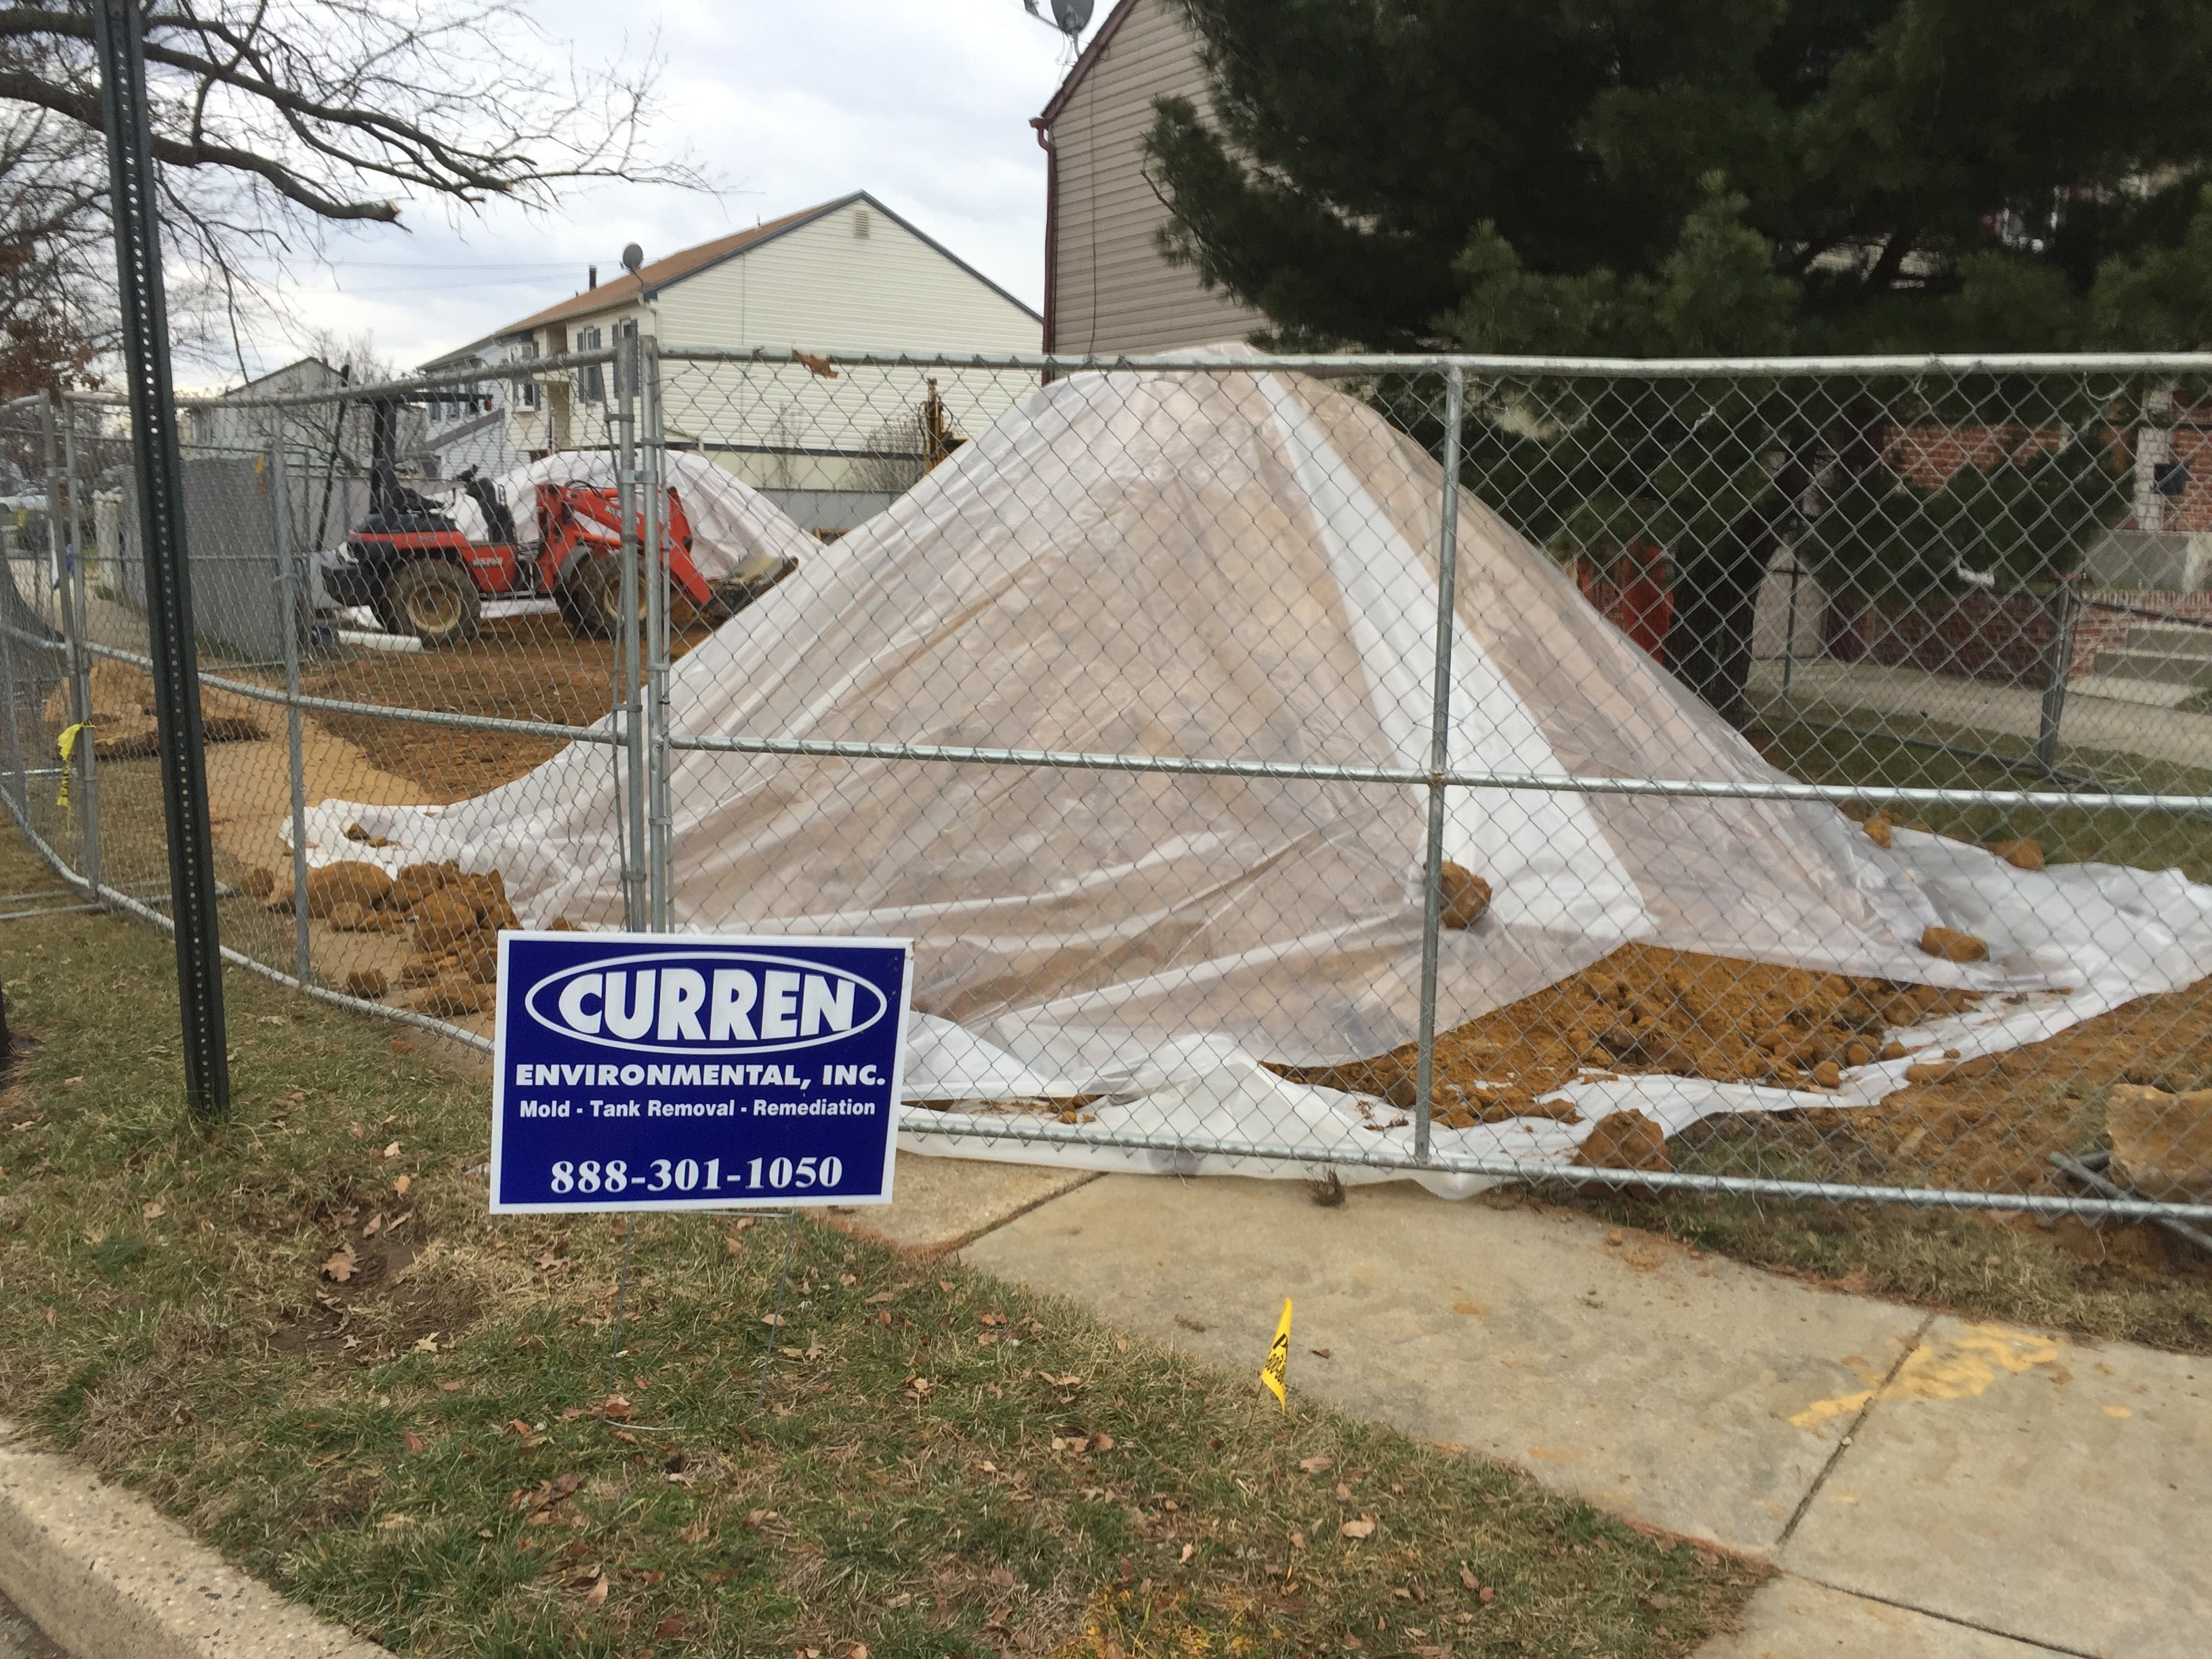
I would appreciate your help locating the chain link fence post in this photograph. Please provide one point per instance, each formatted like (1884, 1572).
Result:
(632, 486)
(2057, 668)
(1432, 896)
(288, 608)
(660, 813)
(11, 648)
(133, 196)
(77, 630)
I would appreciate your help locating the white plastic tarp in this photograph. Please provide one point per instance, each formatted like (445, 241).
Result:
(734, 528)
(1244, 565)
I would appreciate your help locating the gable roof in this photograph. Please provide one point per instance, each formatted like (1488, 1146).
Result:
(1088, 59)
(659, 274)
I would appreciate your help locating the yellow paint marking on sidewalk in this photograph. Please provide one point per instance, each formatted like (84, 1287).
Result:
(1963, 1368)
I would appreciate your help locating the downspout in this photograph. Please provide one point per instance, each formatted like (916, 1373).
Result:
(1051, 225)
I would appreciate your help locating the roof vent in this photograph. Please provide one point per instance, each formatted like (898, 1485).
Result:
(861, 223)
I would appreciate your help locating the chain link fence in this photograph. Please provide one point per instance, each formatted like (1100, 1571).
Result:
(1808, 792)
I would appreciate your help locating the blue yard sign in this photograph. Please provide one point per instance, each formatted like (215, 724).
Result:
(659, 1072)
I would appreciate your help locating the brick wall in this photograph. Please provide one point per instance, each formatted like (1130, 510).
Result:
(1930, 454)
(1987, 637)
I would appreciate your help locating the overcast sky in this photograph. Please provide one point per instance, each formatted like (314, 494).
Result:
(926, 103)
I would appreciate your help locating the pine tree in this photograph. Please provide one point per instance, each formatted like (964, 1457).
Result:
(1660, 178)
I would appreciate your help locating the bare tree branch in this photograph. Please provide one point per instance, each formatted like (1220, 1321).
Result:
(274, 119)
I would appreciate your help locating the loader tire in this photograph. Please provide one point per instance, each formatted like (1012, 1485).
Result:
(591, 599)
(433, 601)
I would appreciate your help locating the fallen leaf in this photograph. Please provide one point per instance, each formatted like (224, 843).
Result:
(1318, 1354)
(1363, 1527)
(1297, 1541)
(1188, 1550)
(698, 1532)
(355, 1130)
(374, 1226)
(945, 1285)
(450, 1388)
(401, 1185)
(776, 1320)
(411, 1440)
(1104, 1443)
(615, 1409)
(1468, 1577)
(598, 1592)
(1320, 1463)
(733, 1245)
(1485, 1595)
(879, 1298)
(340, 1266)
(1120, 1345)
(396, 1519)
(392, 1150)
(1343, 1493)
(154, 1211)
(427, 1344)
(671, 1627)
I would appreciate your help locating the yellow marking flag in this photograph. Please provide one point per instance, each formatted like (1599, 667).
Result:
(1277, 1369)
(68, 745)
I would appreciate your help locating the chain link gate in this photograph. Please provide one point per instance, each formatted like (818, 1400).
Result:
(1122, 687)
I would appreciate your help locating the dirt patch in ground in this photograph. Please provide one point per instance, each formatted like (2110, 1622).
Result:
(527, 668)
(123, 724)
(1644, 1010)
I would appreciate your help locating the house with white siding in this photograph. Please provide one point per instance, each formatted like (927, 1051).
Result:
(1107, 288)
(849, 274)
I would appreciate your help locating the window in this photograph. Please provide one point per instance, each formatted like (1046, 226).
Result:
(590, 380)
(526, 390)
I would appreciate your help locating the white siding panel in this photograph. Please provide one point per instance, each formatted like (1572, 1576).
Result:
(1112, 290)
(821, 286)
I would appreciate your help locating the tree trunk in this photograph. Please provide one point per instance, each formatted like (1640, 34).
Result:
(1716, 600)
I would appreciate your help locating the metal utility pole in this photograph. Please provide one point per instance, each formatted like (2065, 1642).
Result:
(132, 206)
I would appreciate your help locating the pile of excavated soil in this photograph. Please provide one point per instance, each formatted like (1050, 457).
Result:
(1992, 1124)
(1647, 1010)
(1984, 1124)
(451, 919)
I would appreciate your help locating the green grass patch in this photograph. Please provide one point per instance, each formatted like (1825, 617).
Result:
(1875, 751)
(300, 1331)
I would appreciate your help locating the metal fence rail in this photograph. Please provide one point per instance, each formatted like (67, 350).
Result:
(1179, 697)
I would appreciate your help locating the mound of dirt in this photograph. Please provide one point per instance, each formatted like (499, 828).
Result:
(1647, 1010)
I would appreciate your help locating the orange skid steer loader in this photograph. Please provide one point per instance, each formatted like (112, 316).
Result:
(409, 561)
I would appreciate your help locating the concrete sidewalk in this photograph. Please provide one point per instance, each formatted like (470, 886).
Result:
(1840, 691)
(1926, 1484)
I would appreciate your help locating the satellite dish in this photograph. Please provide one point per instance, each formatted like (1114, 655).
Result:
(1068, 17)
(633, 258)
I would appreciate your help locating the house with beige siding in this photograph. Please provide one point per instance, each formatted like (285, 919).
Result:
(849, 274)
(1107, 288)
